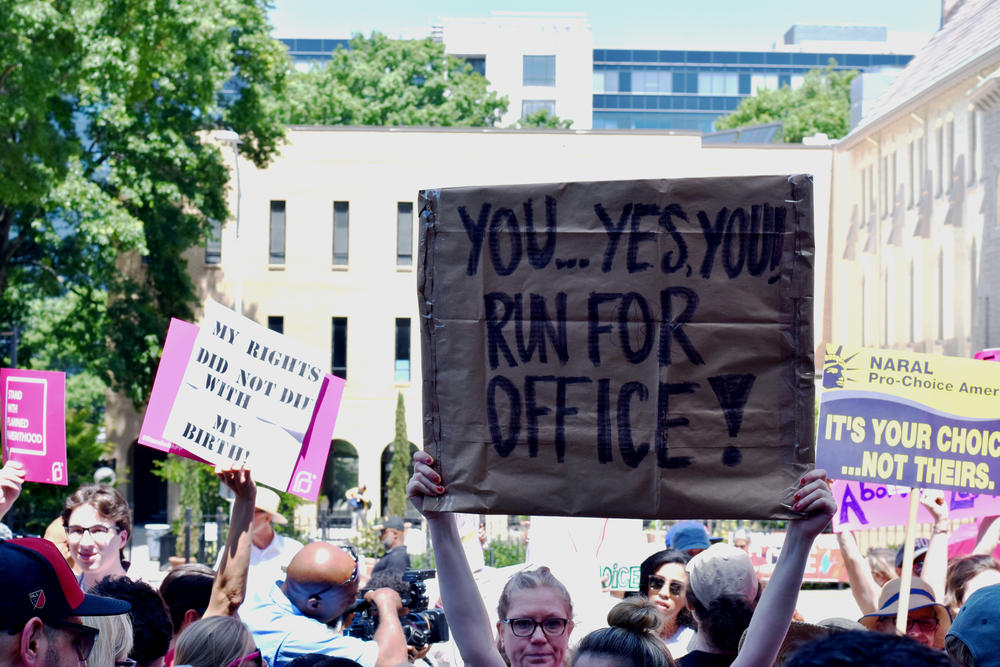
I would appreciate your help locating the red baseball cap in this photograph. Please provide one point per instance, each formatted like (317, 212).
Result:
(37, 581)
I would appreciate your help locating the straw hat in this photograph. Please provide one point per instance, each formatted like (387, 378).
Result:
(921, 595)
(268, 501)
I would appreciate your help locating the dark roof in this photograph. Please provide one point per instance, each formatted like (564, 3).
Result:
(972, 32)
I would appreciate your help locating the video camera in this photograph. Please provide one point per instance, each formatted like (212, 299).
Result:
(422, 626)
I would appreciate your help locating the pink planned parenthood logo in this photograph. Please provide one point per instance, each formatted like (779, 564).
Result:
(34, 422)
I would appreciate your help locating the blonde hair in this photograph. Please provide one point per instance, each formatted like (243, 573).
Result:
(114, 639)
(632, 639)
(533, 579)
(213, 642)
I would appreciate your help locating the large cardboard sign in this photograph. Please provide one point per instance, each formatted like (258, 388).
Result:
(177, 351)
(908, 419)
(34, 423)
(863, 505)
(247, 394)
(623, 349)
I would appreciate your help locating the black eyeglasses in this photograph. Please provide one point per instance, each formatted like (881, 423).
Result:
(925, 624)
(525, 627)
(353, 577)
(84, 636)
(656, 583)
(125, 662)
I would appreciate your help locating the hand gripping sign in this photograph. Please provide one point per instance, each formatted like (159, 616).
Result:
(619, 349)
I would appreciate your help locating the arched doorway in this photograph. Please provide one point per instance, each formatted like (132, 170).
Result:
(149, 492)
(341, 473)
(386, 467)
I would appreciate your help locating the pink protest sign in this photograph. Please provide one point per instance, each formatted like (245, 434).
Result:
(34, 422)
(311, 462)
(863, 505)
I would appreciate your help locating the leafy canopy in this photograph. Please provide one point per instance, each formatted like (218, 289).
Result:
(821, 104)
(104, 109)
(390, 82)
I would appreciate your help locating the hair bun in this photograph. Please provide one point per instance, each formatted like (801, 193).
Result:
(635, 614)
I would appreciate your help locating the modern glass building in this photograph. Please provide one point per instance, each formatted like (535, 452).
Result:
(689, 90)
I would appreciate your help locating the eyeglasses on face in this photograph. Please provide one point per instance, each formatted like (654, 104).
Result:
(353, 577)
(924, 624)
(656, 583)
(98, 532)
(525, 627)
(254, 657)
(125, 662)
(84, 636)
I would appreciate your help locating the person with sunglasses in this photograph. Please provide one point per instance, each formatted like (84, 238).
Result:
(294, 617)
(927, 621)
(663, 580)
(41, 606)
(535, 611)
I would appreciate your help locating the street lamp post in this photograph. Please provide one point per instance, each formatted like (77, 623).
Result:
(231, 139)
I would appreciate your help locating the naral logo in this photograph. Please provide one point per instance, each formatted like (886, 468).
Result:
(37, 598)
(835, 368)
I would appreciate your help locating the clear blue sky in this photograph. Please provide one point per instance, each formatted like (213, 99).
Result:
(707, 24)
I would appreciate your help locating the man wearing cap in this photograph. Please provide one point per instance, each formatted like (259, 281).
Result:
(295, 615)
(270, 552)
(41, 605)
(927, 621)
(395, 559)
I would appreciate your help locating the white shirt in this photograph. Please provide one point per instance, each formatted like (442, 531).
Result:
(266, 565)
(680, 642)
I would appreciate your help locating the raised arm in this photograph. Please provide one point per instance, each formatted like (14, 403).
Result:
(988, 536)
(863, 586)
(230, 586)
(774, 612)
(11, 480)
(389, 633)
(467, 617)
(935, 570)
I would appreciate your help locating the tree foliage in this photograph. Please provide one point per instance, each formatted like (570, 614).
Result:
(821, 104)
(399, 475)
(542, 118)
(381, 81)
(104, 105)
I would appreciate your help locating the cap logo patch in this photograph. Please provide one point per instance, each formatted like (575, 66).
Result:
(37, 598)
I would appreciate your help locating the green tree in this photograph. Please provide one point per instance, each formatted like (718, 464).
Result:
(104, 106)
(381, 81)
(542, 118)
(399, 475)
(821, 104)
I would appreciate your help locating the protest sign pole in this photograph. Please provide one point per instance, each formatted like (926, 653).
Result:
(906, 576)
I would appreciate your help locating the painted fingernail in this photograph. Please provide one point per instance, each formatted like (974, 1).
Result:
(440, 489)
(795, 506)
(795, 497)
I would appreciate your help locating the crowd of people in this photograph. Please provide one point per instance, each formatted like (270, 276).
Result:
(68, 598)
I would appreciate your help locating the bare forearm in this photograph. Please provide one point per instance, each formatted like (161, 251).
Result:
(230, 586)
(467, 617)
(389, 637)
(859, 574)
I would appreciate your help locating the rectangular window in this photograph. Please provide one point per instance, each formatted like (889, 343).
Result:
(760, 81)
(911, 170)
(404, 233)
(402, 368)
(338, 348)
(341, 225)
(530, 107)
(718, 83)
(276, 323)
(973, 144)
(213, 244)
(950, 154)
(277, 242)
(652, 81)
(940, 162)
(539, 71)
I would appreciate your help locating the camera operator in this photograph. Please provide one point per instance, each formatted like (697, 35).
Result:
(290, 619)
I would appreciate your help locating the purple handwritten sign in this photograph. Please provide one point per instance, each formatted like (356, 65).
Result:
(311, 462)
(34, 422)
(864, 505)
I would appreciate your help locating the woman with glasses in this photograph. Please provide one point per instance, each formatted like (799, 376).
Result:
(663, 580)
(535, 611)
(218, 641)
(98, 523)
(114, 641)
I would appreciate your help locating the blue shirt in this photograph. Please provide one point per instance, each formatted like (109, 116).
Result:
(283, 633)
